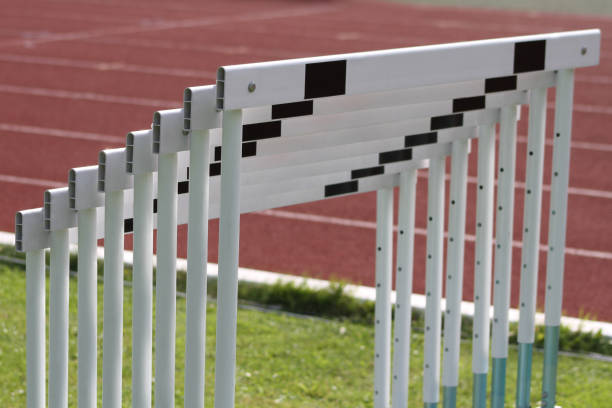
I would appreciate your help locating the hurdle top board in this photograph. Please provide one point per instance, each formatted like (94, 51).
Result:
(242, 86)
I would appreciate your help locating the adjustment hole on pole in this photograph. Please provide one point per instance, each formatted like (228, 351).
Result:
(450, 277)
(477, 297)
(526, 229)
(428, 293)
(448, 311)
(446, 349)
(498, 246)
(583, 51)
(528, 191)
(378, 285)
(501, 170)
(556, 174)
(477, 262)
(379, 248)
(397, 306)
(553, 212)
(495, 320)
(396, 340)
(428, 256)
(430, 218)
(453, 202)
(480, 187)
(479, 224)
(558, 134)
(531, 153)
(377, 356)
(427, 328)
(522, 304)
(476, 335)
(549, 287)
(497, 282)
(377, 321)
(401, 232)
(395, 377)
(552, 248)
(451, 239)
(524, 266)
(499, 208)
(399, 268)
(426, 365)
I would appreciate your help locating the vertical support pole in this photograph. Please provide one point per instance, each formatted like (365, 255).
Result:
(165, 308)
(35, 328)
(142, 290)
(58, 319)
(112, 344)
(454, 271)
(197, 250)
(382, 314)
(87, 308)
(556, 232)
(531, 242)
(504, 222)
(229, 240)
(403, 288)
(482, 265)
(433, 281)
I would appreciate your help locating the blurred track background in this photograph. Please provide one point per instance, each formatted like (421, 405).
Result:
(77, 76)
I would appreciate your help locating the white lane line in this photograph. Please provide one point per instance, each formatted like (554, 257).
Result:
(7, 178)
(105, 66)
(346, 222)
(596, 147)
(167, 25)
(87, 96)
(68, 134)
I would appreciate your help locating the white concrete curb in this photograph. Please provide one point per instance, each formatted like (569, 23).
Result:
(357, 291)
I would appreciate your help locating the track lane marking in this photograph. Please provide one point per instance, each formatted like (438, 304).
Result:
(346, 222)
(68, 134)
(7, 178)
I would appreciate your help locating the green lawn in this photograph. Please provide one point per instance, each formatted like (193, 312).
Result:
(283, 361)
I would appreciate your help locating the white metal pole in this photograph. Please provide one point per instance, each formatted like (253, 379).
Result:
(165, 308)
(403, 288)
(197, 255)
(112, 343)
(87, 308)
(556, 232)
(382, 314)
(58, 319)
(229, 240)
(531, 242)
(433, 281)
(482, 267)
(142, 290)
(35, 328)
(504, 222)
(454, 271)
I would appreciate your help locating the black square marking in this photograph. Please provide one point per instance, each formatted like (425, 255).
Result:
(421, 139)
(249, 149)
(258, 131)
(128, 225)
(529, 56)
(183, 187)
(367, 172)
(341, 188)
(470, 103)
(394, 156)
(155, 206)
(217, 153)
(187, 172)
(325, 79)
(507, 83)
(446, 121)
(289, 110)
(215, 169)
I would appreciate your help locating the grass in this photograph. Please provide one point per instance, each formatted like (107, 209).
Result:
(282, 360)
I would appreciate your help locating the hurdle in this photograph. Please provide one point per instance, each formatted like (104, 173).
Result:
(287, 132)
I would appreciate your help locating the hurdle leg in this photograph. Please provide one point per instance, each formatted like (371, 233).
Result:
(165, 307)
(382, 326)
(482, 268)
(504, 222)
(403, 288)
(142, 290)
(557, 229)
(531, 243)
(229, 239)
(433, 282)
(35, 328)
(112, 343)
(88, 308)
(454, 272)
(58, 319)
(197, 249)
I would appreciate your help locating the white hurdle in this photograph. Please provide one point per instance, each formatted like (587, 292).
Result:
(280, 133)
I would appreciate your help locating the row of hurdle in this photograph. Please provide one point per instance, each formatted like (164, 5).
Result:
(279, 133)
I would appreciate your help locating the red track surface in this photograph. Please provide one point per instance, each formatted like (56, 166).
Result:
(75, 77)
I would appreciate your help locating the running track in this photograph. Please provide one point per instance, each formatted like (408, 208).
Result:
(75, 77)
